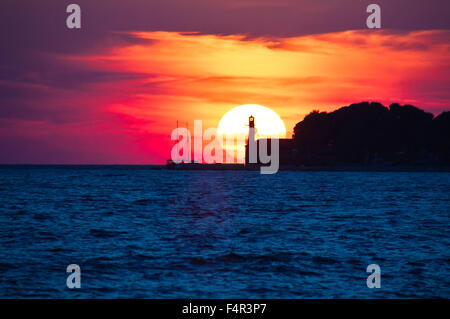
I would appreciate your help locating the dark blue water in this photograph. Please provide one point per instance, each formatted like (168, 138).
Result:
(144, 233)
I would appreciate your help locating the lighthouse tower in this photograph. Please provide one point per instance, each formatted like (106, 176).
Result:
(251, 128)
(250, 148)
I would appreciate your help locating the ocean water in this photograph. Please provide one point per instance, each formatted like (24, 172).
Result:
(142, 233)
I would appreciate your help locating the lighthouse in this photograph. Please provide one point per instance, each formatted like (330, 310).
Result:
(251, 152)
(251, 128)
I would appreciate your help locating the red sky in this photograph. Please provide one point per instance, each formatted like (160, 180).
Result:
(116, 101)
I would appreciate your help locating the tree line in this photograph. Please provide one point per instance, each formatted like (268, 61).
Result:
(370, 133)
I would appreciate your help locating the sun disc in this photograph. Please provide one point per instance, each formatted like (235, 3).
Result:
(234, 125)
(267, 122)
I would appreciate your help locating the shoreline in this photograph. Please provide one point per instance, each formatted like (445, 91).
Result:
(334, 168)
(239, 167)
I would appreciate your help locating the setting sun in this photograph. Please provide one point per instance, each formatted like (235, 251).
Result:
(235, 124)
(267, 122)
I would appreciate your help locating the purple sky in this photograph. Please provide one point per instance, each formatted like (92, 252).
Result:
(32, 33)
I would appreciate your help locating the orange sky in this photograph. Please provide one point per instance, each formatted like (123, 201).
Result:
(185, 76)
(193, 76)
(112, 91)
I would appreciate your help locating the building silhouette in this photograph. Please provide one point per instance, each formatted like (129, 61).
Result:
(287, 149)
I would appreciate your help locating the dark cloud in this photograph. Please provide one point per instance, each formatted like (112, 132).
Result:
(34, 80)
(41, 24)
(30, 28)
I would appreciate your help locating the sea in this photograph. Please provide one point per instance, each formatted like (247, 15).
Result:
(140, 232)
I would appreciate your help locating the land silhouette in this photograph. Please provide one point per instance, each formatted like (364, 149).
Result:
(371, 134)
(362, 135)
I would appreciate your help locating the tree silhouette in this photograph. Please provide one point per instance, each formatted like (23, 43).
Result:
(370, 133)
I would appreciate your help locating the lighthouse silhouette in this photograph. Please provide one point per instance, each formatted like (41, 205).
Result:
(286, 147)
(251, 148)
(251, 128)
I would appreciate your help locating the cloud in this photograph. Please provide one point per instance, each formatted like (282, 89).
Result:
(112, 91)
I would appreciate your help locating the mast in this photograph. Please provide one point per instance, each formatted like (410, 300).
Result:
(188, 143)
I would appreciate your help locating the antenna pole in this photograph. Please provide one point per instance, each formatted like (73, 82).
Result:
(188, 143)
